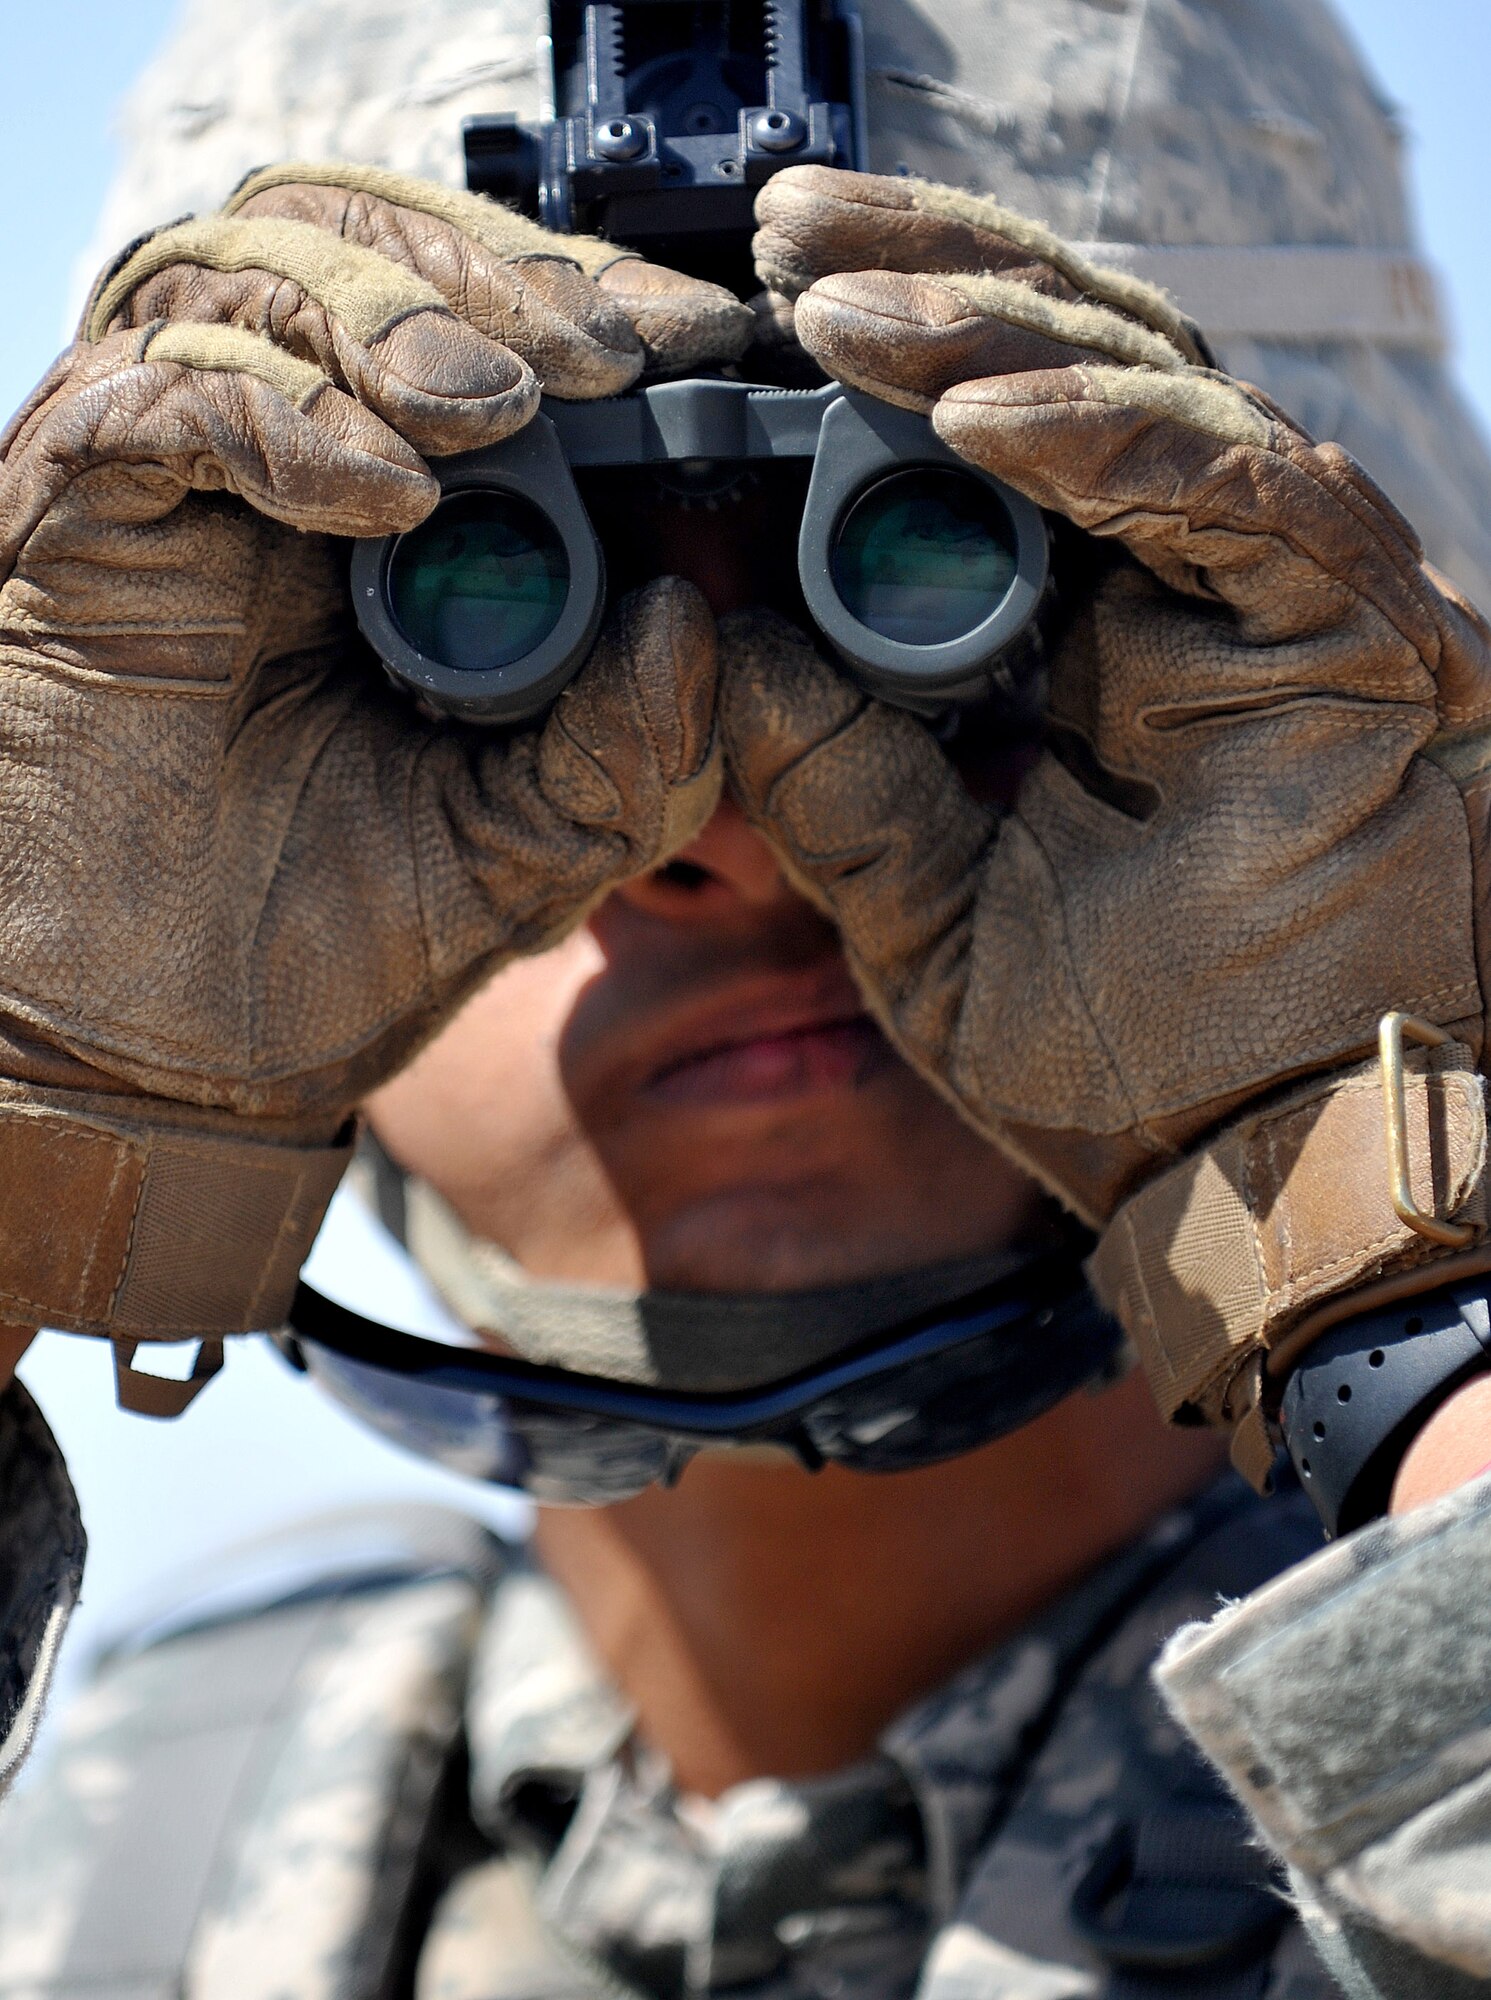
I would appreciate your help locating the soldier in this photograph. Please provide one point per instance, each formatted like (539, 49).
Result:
(734, 1042)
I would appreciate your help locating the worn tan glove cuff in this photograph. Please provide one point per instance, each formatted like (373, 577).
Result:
(1230, 1256)
(117, 1224)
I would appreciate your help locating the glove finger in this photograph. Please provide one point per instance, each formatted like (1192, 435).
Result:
(1214, 493)
(1195, 475)
(952, 919)
(624, 772)
(643, 713)
(869, 818)
(814, 221)
(168, 409)
(515, 840)
(908, 338)
(584, 314)
(541, 306)
(682, 322)
(375, 328)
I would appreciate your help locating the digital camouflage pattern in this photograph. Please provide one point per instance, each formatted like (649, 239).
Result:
(41, 1568)
(1347, 1705)
(945, 1866)
(281, 1804)
(240, 1810)
(253, 1808)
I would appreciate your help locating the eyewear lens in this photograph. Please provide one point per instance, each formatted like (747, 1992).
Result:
(935, 1392)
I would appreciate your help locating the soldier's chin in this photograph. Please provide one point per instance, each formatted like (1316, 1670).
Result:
(798, 1238)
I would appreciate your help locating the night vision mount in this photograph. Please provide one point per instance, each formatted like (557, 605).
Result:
(670, 114)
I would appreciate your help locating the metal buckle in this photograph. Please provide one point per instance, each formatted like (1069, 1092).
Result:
(1392, 1032)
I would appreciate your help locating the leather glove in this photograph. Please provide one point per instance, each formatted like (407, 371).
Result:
(242, 878)
(1258, 824)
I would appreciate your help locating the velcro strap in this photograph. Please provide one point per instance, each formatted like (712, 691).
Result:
(1213, 1261)
(117, 1227)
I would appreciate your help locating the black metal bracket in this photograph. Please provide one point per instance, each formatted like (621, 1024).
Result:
(669, 114)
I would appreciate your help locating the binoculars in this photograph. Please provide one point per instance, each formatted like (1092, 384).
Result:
(924, 576)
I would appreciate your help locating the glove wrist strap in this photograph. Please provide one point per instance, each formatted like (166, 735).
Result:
(1212, 1265)
(117, 1224)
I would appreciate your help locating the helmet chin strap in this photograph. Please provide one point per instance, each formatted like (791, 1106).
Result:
(690, 1342)
(584, 1395)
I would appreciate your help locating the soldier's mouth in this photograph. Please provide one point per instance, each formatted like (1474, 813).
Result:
(772, 1064)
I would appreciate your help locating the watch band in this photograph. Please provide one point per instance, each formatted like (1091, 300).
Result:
(1361, 1392)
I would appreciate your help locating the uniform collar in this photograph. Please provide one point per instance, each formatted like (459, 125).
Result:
(681, 1896)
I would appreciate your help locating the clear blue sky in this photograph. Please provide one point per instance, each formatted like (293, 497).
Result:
(259, 1447)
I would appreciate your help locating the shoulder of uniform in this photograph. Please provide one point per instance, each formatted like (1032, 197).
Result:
(250, 1780)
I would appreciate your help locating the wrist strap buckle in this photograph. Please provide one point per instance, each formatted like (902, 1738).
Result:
(1392, 1032)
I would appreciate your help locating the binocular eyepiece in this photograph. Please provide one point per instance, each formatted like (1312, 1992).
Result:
(923, 575)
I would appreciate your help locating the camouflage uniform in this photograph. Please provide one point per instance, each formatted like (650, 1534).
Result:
(410, 1776)
(285, 1803)
(279, 1804)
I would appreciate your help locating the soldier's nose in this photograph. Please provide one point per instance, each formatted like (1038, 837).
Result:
(727, 865)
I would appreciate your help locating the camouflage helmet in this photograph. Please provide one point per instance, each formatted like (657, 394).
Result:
(1240, 156)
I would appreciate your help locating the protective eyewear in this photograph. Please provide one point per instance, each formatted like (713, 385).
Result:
(926, 1390)
(924, 575)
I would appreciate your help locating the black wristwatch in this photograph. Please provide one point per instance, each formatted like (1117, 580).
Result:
(1362, 1392)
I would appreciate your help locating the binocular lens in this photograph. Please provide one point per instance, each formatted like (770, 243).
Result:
(924, 556)
(479, 584)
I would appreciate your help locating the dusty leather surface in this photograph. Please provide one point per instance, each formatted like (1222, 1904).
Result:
(1210, 1261)
(243, 879)
(1260, 822)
